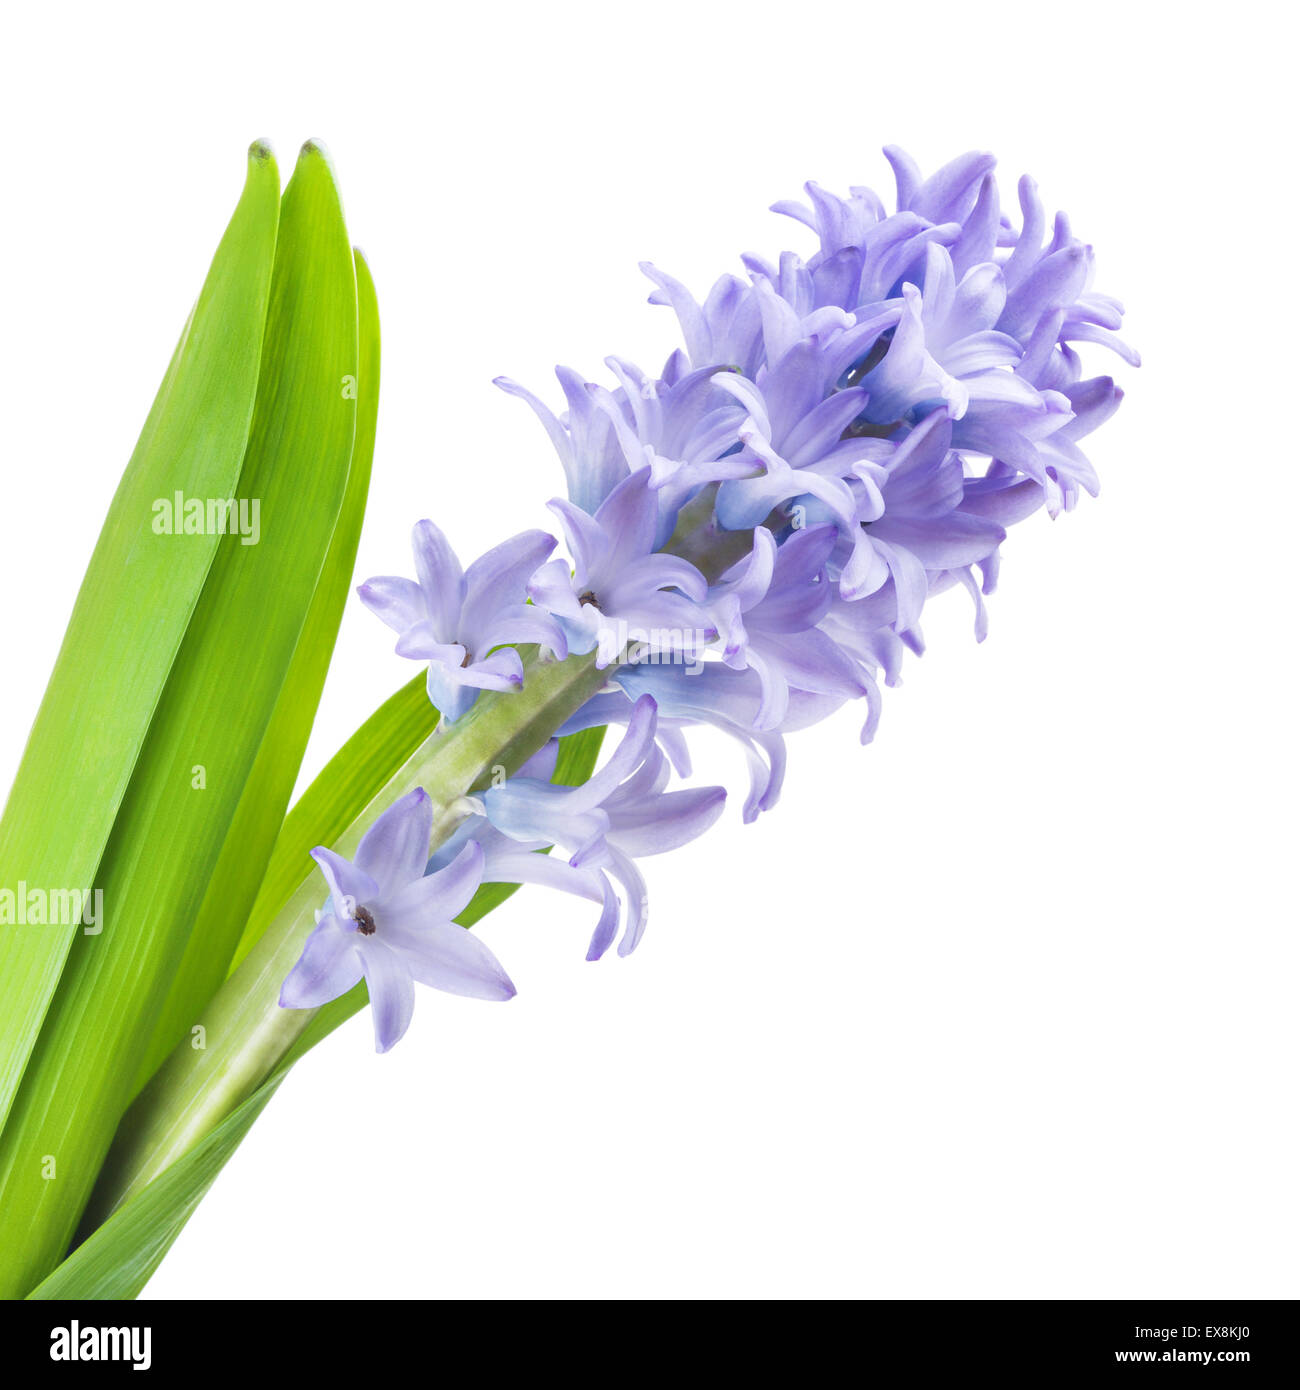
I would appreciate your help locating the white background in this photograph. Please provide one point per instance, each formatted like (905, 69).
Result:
(1003, 1005)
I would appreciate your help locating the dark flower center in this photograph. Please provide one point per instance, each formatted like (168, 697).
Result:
(365, 921)
(588, 599)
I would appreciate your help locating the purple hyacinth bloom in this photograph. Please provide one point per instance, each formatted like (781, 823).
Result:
(949, 195)
(914, 522)
(589, 451)
(1043, 279)
(794, 437)
(866, 630)
(864, 254)
(507, 860)
(946, 346)
(619, 586)
(388, 922)
(1051, 464)
(724, 699)
(459, 621)
(725, 331)
(679, 425)
(868, 253)
(621, 814)
(683, 431)
(768, 609)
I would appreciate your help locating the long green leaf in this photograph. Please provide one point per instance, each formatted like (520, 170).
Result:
(134, 606)
(118, 1259)
(202, 744)
(234, 885)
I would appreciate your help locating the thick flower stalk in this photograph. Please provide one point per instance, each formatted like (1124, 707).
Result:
(752, 537)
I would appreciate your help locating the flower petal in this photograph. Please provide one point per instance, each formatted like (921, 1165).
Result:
(671, 820)
(437, 897)
(392, 991)
(496, 581)
(395, 601)
(348, 884)
(395, 849)
(329, 966)
(440, 577)
(447, 957)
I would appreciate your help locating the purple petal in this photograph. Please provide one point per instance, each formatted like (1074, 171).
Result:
(447, 957)
(608, 923)
(519, 865)
(348, 884)
(558, 436)
(949, 194)
(627, 757)
(551, 588)
(448, 692)
(628, 517)
(587, 541)
(391, 989)
(942, 543)
(437, 897)
(497, 581)
(638, 901)
(395, 849)
(419, 643)
(395, 601)
(502, 670)
(440, 577)
(329, 966)
(529, 623)
(669, 821)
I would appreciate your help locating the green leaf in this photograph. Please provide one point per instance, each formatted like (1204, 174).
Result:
(118, 1259)
(252, 835)
(214, 714)
(132, 612)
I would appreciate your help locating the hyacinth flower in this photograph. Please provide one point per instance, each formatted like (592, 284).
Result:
(947, 346)
(463, 623)
(619, 583)
(719, 697)
(388, 922)
(914, 520)
(752, 536)
(769, 608)
(680, 429)
(589, 451)
(623, 813)
(794, 430)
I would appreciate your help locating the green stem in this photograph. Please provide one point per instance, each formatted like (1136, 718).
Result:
(245, 1033)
